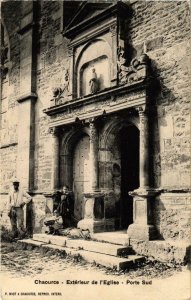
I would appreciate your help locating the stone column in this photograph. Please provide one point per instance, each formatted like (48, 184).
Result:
(71, 87)
(142, 228)
(144, 149)
(93, 199)
(54, 131)
(114, 37)
(54, 184)
(93, 157)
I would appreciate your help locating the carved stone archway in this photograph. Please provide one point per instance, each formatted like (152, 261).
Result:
(68, 142)
(112, 170)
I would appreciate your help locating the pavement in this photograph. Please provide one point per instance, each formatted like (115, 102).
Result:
(29, 275)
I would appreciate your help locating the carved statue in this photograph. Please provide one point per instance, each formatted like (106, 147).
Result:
(137, 69)
(93, 83)
(60, 93)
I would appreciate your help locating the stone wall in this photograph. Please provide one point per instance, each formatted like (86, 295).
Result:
(52, 63)
(162, 29)
(9, 92)
(172, 216)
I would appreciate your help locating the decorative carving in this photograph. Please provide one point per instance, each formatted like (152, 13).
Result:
(55, 131)
(70, 50)
(93, 130)
(137, 69)
(60, 94)
(141, 110)
(93, 83)
(113, 29)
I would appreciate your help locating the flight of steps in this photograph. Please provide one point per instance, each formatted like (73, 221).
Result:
(103, 253)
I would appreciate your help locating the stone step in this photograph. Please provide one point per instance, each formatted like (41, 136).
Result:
(41, 237)
(50, 239)
(104, 248)
(93, 246)
(112, 237)
(105, 260)
(30, 243)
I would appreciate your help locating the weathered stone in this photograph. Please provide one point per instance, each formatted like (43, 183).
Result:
(162, 30)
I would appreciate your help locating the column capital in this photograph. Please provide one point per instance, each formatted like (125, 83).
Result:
(113, 29)
(70, 50)
(142, 110)
(55, 131)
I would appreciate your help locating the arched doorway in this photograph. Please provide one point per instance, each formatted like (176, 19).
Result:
(129, 154)
(81, 171)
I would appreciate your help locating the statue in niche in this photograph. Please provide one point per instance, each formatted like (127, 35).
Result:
(93, 83)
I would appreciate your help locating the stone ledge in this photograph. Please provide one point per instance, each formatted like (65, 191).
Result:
(116, 91)
(163, 251)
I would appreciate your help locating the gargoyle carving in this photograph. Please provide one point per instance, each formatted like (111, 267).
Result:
(135, 72)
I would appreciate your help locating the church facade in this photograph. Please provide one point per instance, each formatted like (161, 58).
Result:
(95, 96)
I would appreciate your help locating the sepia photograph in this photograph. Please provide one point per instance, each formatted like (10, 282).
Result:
(95, 155)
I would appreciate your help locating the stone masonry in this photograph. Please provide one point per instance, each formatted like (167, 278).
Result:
(161, 29)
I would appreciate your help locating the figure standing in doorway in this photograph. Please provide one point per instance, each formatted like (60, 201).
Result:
(93, 83)
(15, 208)
(66, 207)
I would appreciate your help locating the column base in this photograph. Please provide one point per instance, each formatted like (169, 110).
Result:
(49, 202)
(142, 232)
(91, 225)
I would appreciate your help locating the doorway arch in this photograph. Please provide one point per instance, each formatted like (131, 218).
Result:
(120, 144)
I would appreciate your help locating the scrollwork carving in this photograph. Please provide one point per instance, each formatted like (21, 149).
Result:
(137, 69)
(60, 94)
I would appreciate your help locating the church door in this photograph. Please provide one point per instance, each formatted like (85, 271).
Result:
(129, 172)
(81, 172)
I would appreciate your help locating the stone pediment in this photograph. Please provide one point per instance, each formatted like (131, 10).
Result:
(99, 69)
(90, 14)
(81, 11)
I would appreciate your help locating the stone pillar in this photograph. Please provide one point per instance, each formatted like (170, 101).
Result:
(54, 131)
(93, 157)
(93, 200)
(54, 185)
(27, 97)
(142, 227)
(71, 87)
(143, 149)
(114, 37)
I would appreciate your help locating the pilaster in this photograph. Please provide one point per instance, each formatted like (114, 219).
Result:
(26, 124)
(142, 227)
(93, 200)
(55, 133)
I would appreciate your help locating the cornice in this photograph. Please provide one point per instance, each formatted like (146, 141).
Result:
(110, 92)
(25, 97)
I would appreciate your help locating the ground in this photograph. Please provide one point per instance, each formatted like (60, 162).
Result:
(24, 270)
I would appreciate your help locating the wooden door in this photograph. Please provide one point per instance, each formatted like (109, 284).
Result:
(81, 175)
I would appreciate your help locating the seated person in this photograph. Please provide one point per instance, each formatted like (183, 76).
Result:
(54, 223)
(66, 207)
